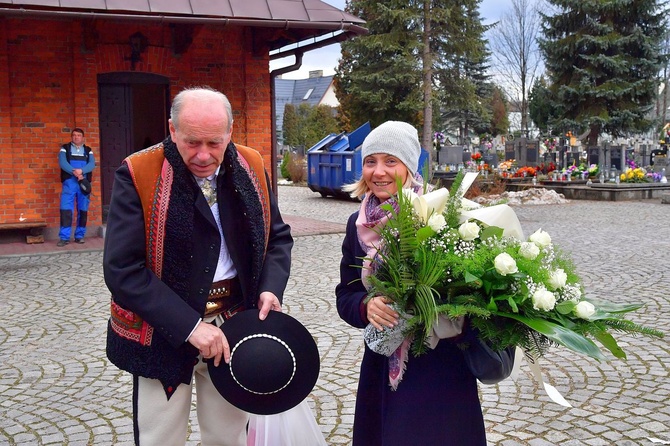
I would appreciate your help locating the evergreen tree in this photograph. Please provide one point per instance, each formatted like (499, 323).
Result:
(539, 105)
(603, 59)
(463, 88)
(379, 74)
(290, 126)
(416, 56)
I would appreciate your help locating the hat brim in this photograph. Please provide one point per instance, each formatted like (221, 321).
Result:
(85, 186)
(274, 363)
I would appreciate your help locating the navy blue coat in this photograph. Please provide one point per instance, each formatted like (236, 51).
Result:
(436, 403)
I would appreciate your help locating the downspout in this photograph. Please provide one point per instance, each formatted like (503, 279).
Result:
(273, 111)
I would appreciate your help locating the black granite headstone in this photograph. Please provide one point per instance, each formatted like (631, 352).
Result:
(491, 159)
(510, 152)
(532, 148)
(615, 157)
(592, 155)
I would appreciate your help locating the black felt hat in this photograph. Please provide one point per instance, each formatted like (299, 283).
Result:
(274, 364)
(85, 186)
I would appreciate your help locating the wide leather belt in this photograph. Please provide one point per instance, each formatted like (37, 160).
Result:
(225, 298)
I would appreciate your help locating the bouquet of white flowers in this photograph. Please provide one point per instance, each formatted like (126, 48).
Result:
(442, 255)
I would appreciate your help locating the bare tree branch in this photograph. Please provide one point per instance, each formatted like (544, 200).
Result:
(515, 51)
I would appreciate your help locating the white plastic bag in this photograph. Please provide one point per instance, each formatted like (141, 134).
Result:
(295, 427)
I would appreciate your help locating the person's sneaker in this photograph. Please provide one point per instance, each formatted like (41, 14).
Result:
(62, 243)
(79, 240)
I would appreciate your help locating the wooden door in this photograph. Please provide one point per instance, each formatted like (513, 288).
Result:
(115, 134)
(133, 114)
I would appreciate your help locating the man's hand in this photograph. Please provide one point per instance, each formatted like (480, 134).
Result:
(211, 342)
(267, 301)
(77, 172)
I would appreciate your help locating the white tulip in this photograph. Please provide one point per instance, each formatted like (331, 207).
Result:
(505, 264)
(529, 250)
(468, 231)
(544, 299)
(584, 309)
(540, 238)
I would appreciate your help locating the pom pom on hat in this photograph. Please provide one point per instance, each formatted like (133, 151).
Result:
(395, 138)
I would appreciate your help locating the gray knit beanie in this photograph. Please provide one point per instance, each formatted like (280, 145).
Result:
(395, 138)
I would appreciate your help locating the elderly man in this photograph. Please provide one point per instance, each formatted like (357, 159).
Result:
(194, 235)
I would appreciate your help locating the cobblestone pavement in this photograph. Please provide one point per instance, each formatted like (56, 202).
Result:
(57, 387)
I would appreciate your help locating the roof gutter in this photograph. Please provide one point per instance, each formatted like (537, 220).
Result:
(259, 23)
(292, 50)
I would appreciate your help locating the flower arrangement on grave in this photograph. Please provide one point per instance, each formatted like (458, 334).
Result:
(486, 142)
(551, 144)
(438, 140)
(443, 256)
(483, 167)
(506, 166)
(636, 175)
(476, 157)
(546, 168)
(572, 171)
(525, 172)
(547, 145)
(593, 170)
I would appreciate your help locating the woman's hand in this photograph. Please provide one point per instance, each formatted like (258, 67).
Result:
(379, 313)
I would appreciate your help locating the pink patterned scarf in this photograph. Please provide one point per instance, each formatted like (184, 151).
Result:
(371, 219)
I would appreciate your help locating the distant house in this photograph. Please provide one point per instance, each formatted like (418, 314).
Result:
(315, 90)
(113, 67)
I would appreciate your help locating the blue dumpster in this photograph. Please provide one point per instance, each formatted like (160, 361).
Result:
(336, 160)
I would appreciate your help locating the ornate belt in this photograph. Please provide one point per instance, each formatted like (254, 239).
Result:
(224, 298)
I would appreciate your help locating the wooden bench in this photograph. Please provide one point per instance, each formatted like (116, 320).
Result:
(35, 229)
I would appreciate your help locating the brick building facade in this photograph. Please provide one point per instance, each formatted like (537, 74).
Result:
(114, 77)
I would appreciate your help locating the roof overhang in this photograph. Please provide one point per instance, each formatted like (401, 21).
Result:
(312, 22)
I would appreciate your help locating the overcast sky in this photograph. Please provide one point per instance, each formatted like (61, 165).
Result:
(326, 58)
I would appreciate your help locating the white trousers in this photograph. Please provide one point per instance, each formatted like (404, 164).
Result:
(159, 422)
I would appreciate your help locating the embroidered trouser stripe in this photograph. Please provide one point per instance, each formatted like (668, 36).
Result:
(136, 429)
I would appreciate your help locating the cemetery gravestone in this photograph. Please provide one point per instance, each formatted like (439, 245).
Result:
(450, 155)
(531, 153)
(615, 157)
(593, 155)
(510, 151)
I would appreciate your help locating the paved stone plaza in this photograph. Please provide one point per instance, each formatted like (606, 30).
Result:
(57, 387)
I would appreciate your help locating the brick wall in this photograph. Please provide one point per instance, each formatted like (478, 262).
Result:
(48, 85)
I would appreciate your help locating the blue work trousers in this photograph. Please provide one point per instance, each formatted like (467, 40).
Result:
(72, 193)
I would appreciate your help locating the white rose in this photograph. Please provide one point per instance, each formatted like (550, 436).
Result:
(584, 309)
(557, 279)
(529, 250)
(543, 299)
(437, 222)
(505, 264)
(468, 231)
(540, 238)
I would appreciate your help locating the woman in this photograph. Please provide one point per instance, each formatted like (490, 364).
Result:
(436, 403)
